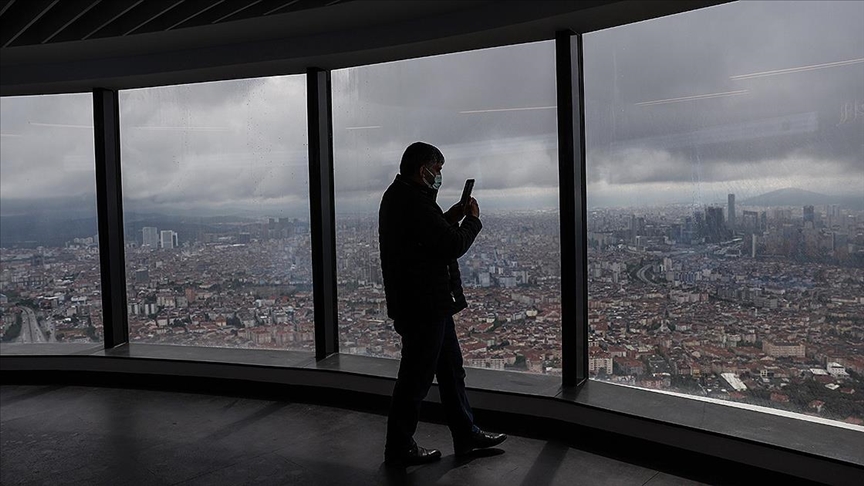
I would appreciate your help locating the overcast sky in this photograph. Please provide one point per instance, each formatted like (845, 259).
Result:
(743, 98)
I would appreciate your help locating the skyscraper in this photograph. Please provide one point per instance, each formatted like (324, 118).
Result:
(750, 221)
(730, 210)
(168, 239)
(150, 237)
(699, 218)
(809, 214)
(714, 231)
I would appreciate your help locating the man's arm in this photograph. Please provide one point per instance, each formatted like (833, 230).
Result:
(448, 240)
(455, 213)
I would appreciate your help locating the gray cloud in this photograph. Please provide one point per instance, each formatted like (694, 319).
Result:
(46, 147)
(761, 120)
(668, 120)
(217, 145)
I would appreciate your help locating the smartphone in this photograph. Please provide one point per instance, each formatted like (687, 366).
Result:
(466, 192)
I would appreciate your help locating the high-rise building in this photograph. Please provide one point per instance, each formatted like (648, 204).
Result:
(714, 231)
(730, 212)
(809, 214)
(750, 221)
(150, 237)
(699, 218)
(168, 239)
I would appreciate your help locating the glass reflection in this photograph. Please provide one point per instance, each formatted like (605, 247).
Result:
(215, 185)
(492, 114)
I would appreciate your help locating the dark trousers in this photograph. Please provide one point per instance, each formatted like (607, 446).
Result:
(429, 349)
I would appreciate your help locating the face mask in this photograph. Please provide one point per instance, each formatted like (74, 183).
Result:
(436, 184)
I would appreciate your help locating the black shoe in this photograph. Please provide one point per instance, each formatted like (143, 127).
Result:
(413, 456)
(477, 440)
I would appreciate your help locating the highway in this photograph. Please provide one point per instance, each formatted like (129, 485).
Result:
(641, 274)
(30, 330)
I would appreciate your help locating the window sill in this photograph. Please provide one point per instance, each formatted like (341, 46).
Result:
(801, 447)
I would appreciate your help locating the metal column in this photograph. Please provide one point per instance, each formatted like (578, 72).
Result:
(571, 173)
(109, 203)
(323, 223)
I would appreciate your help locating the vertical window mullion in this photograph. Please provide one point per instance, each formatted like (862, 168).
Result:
(573, 214)
(109, 205)
(322, 211)
(581, 251)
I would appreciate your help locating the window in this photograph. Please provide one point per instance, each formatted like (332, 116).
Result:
(726, 212)
(49, 254)
(492, 113)
(216, 209)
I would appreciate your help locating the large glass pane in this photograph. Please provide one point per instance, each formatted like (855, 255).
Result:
(216, 208)
(49, 254)
(492, 114)
(726, 205)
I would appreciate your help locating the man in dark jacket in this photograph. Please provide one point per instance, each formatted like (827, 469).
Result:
(419, 247)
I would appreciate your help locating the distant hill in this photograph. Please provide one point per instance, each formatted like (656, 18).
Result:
(43, 229)
(57, 226)
(793, 196)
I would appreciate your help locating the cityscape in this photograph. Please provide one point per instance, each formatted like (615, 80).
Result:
(758, 301)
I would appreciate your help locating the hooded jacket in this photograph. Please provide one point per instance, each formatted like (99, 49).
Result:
(419, 249)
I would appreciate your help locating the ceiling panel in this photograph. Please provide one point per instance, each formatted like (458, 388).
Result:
(33, 22)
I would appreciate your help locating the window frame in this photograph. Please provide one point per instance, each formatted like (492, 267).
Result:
(574, 321)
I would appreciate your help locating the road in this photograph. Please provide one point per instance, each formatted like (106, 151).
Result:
(641, 274)
(30, 330)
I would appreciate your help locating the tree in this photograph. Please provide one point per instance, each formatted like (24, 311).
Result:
(520, 362)
(91, 331)
(14, 330)
(28, 303)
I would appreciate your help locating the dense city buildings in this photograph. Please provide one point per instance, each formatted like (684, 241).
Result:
(51, 295)
(511, 277)
(241, 284)
(759, 318)
(771, 314)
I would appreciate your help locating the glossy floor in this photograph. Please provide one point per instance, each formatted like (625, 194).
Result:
(114, 436)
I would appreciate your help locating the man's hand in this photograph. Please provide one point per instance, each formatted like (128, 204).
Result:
(472, 209)
(455, 214)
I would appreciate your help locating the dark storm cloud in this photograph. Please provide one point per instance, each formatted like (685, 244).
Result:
(636, 136)
(665, 107)
(451, 102)
(668, 117)
(515, 76)
(188, 147)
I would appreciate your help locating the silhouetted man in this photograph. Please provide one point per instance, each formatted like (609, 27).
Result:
(419, 248)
